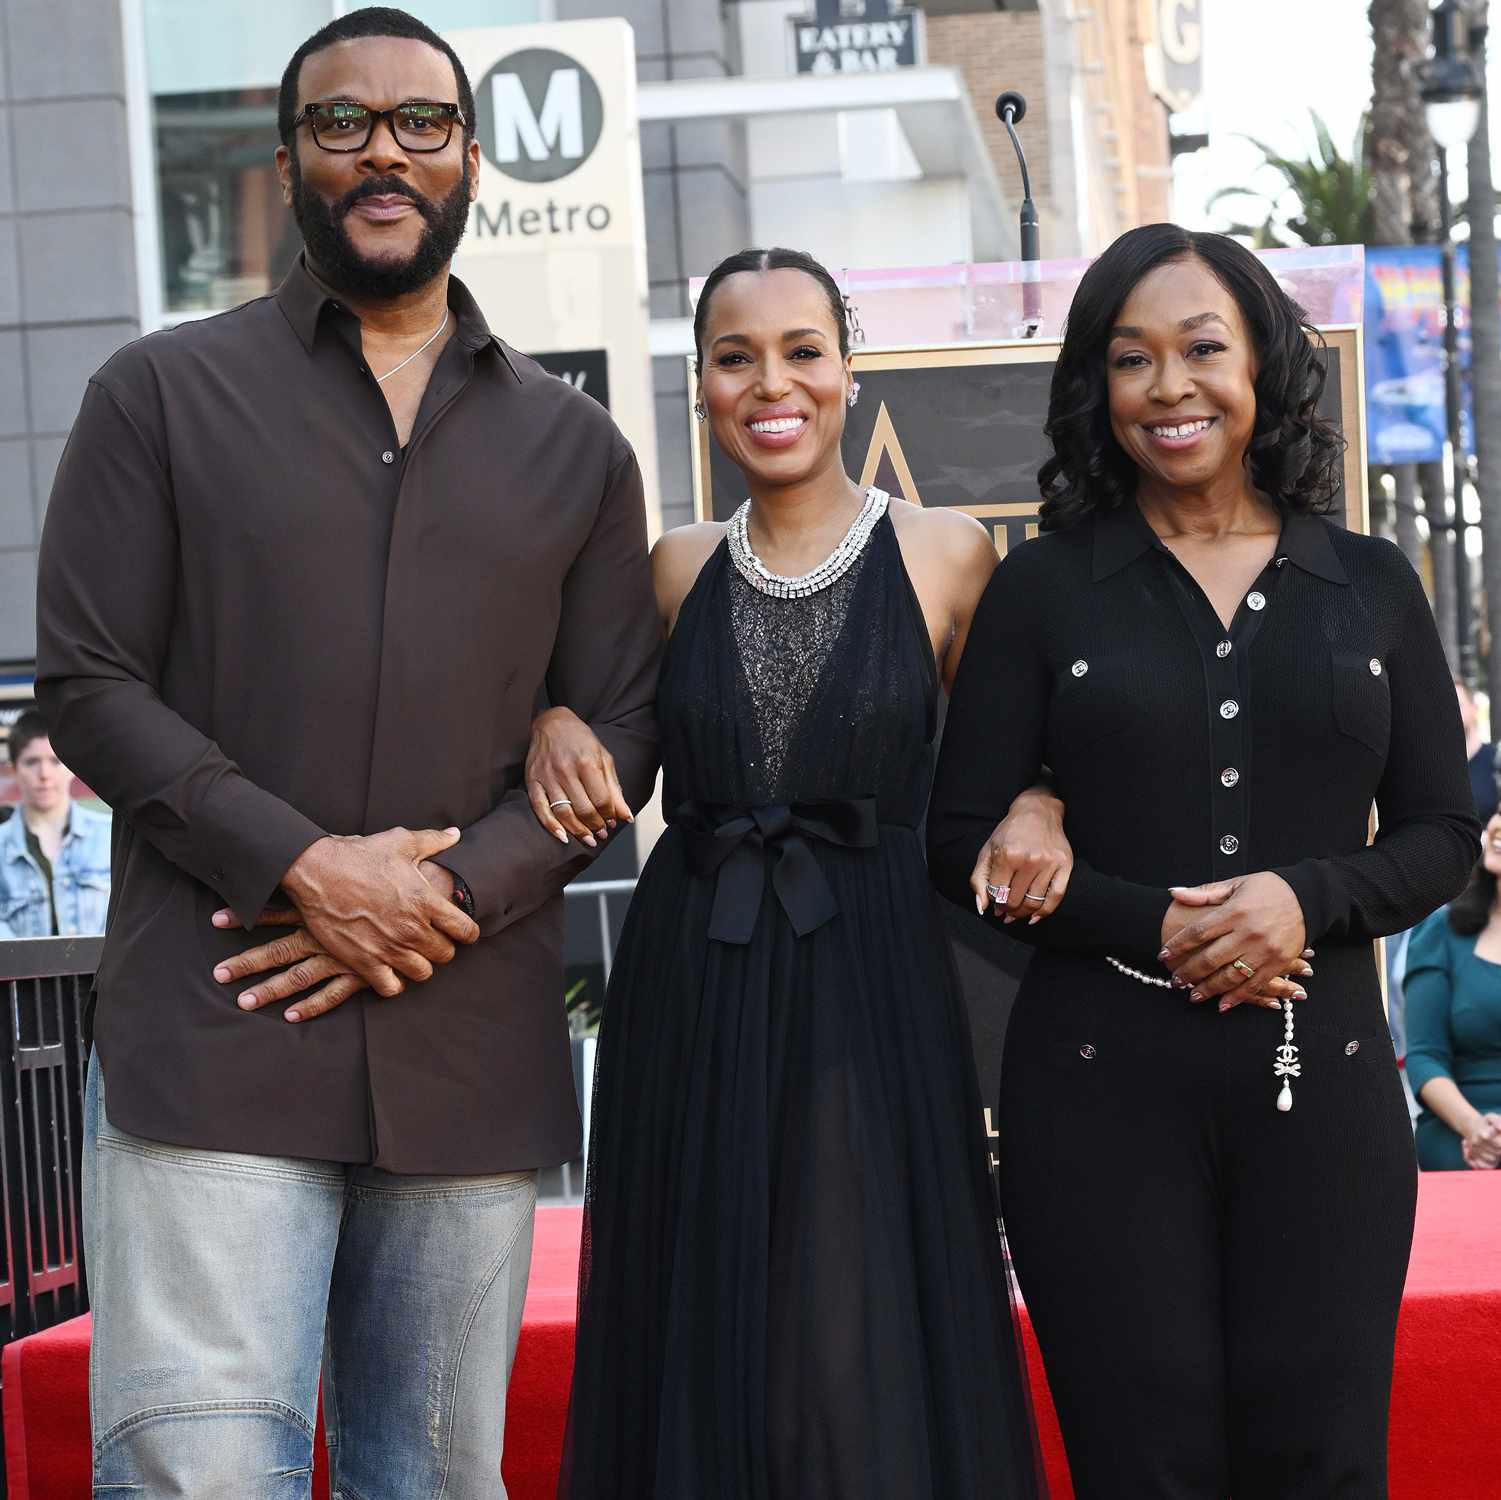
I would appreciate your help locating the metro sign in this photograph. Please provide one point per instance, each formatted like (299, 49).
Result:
(857, 36)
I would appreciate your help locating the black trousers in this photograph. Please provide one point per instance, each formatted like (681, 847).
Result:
(1214, 1284)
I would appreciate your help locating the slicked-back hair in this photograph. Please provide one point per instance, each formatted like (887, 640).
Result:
(373, 20)
(1294, 456)
(776, 259)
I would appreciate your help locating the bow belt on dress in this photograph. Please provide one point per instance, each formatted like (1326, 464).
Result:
(737, 843)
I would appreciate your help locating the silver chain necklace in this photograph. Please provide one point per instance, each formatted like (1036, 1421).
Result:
(826, 574)
(415, 352)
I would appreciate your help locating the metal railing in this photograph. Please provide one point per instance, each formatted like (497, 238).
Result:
(46, 985)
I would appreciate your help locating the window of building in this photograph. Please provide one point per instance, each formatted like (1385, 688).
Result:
(212, 73)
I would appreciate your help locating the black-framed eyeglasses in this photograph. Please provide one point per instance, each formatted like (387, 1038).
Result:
(347, 125)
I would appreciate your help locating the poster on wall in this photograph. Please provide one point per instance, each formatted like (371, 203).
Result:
(1404, 353)
(962, 426)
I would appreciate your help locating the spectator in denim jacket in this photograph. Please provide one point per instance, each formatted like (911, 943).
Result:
(54, 854)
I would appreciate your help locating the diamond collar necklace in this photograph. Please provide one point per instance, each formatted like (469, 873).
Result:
(826, 574)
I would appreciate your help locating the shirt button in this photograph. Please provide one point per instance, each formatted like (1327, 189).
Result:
(1351, 1048)
(1229, 776)
(1229, 708)
(1256, 600)
(1229, 844)
(1080, 667)
(1223, 649)
(388, 457)
(1375, 666)
(1087, 1052)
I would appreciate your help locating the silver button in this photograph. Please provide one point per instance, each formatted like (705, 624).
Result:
(1375, 666)
(1223, 650)
(1229, 708)
(1351, 1048)
(1080, 667)
(1229, 844)
(1229, 776)
(1256, 600)
(388, 457)
(1087, 1052)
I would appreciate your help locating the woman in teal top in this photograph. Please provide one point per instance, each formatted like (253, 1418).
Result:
(1453, 994)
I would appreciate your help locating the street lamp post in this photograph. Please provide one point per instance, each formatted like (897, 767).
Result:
(1451, 102)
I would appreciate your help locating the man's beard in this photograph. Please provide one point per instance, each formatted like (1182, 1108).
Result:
(335, 257)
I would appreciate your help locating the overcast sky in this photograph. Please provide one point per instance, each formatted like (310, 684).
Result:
(1266, 64)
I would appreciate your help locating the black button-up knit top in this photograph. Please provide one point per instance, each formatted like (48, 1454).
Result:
(1185, 752)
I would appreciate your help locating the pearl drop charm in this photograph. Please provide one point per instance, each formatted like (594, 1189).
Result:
(1285, 1098)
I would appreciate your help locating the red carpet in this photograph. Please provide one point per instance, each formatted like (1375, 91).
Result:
(1446, 1403)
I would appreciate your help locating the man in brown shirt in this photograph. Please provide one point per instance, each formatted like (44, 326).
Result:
(307, 568)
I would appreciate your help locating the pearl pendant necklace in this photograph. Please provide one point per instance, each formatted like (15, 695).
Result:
(826, 574)
(1286, 1067)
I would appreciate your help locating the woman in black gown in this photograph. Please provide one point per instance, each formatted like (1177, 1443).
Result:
(792, 1284)
(1209, 1203)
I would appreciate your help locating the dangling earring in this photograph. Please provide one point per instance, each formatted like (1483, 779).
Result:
(698, 410)
(854, 394)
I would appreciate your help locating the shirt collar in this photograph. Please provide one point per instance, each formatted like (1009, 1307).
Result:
(303, 298)
(1122, 535)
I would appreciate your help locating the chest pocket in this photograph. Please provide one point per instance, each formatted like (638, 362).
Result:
(1091, 701)
(1361, 698)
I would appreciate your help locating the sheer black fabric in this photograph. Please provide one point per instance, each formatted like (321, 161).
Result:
(792, 1283)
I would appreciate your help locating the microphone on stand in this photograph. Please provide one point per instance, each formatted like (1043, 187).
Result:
(1011, 110)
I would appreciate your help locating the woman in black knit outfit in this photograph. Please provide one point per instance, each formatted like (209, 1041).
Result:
(1207, 1166)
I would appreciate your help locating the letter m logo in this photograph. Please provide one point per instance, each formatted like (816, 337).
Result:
(557, 127)
(540, 114)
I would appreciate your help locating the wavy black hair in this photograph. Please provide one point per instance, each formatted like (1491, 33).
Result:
(1294, 456)
(776, 259)
(1470, 910)
(371, 20)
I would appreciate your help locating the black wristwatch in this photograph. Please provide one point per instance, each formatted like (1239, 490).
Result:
(463, 897)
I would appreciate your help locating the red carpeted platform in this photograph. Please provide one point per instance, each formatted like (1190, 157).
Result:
(1446, 1402)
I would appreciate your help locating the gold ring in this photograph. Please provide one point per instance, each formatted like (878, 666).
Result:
(1244, 967)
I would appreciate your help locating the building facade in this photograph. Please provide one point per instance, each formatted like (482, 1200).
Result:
(137, 186)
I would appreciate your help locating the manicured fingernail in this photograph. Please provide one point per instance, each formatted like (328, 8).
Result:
(1165, 954)
(1195, 995)
(292, 1015)
(1009, 920)
(590, 841)
(1300, 994)
(1224, 1005)
(1033, 921)
(561, 837)
(612, 824)
(222, 974)
(630, 817)
(220, 919)
(1179, 984)
(980, 905)
(247, 1000)
(604, 834)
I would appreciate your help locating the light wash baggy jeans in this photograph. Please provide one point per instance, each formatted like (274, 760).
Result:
(219, 1284)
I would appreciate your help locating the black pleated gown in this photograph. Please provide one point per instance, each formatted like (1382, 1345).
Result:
(792, 1285)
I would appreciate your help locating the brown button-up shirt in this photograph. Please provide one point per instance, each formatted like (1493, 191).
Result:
(260, 621)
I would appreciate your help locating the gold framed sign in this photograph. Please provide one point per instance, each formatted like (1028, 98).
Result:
(962, 425)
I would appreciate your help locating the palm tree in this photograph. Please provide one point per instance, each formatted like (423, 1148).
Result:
(1404, 201)
(1332, 191)
(1485, 363)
